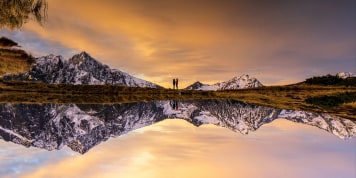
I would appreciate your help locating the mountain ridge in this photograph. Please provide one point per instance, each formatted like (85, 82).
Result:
(244, 81)
(79, 69)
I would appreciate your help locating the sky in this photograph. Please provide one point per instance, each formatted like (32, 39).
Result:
(175, 148)
(276, 41)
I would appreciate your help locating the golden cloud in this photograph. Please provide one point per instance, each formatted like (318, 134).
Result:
(202, 40)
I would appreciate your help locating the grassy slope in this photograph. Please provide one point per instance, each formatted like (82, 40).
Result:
(297, 97)
(14, 61)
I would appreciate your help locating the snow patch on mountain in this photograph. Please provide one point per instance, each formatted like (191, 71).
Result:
(14, 134)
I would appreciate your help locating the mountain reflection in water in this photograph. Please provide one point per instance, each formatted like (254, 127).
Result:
(81, 127)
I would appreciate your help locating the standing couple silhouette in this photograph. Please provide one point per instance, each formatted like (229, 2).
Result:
(175, 83)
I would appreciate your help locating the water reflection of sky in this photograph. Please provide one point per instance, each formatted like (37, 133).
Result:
(175, 148)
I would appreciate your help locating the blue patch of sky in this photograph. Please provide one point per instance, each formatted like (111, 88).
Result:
(36, 45)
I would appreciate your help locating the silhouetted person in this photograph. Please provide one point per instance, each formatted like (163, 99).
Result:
(174, 83)
(176, 104)
(173, 104)
(177, 83)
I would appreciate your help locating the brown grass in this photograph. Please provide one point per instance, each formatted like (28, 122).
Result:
(285, 97)
(14, 61)
(294, 97)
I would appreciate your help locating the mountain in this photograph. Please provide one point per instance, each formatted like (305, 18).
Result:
(196, 86)
(244, 81)
(344, 75)
(81, 127)
(340, 79)
(80, 69)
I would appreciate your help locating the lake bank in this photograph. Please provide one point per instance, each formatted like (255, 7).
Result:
(297, 97)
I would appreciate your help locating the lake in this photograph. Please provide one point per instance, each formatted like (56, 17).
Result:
(192, 138)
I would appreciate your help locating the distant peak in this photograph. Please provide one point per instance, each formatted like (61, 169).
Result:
(244, 76)
(241, 77)
(84, 53)
(78, 59)
(195, 85)
(344, 75)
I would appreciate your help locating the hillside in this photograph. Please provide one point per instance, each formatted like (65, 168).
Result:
(13, 60)
(332, 80)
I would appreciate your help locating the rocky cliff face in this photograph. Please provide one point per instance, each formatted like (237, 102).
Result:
(81, 127)
(80, 69)
(244, 81)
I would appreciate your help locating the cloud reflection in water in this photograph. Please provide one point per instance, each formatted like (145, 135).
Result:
(175, 148)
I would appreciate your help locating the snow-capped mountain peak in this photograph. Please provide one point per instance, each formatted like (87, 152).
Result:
(195, 86)
(344, 75)
(79, 69)
(244, 81)
(82, 57)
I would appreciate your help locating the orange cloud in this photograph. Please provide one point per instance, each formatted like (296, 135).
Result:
(205, 40)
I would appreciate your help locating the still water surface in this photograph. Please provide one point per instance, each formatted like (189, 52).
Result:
(147, 144)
